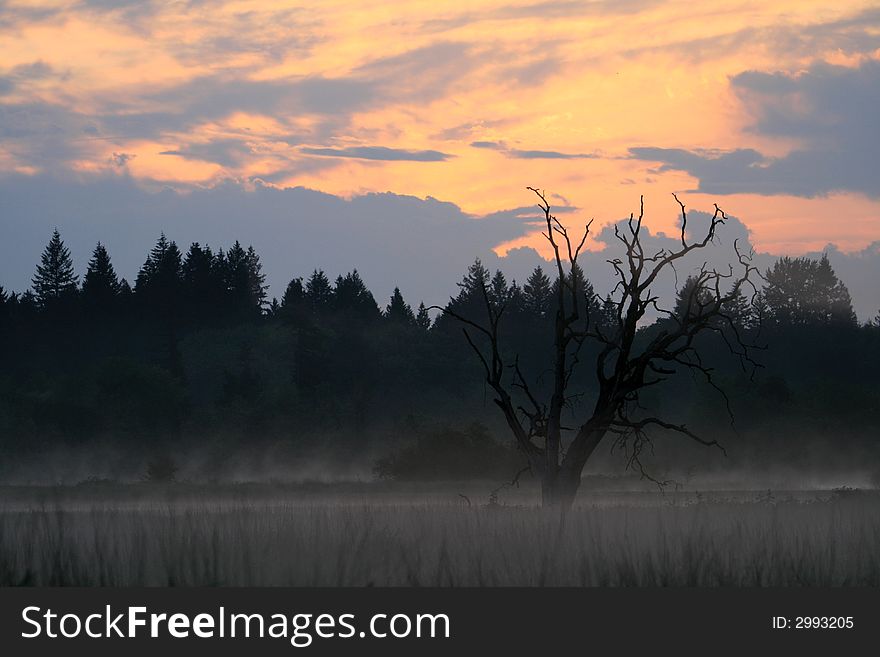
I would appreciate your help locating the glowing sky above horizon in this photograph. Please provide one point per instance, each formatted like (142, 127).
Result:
(768, 109)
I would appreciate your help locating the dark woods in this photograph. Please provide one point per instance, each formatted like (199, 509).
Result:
(195, 358)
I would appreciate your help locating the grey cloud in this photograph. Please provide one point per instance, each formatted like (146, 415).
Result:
(530, 154)
(42, 133)
(831, 109)
(121, 159)
(824, 103)
(536, 72)
(212, 97)
(209, 98)
(225, 152)
(547, 155)
(542, 10)
(379, 153)
(425, 73)
(38, 70)
(466, 130)
(48, 135)
(854, 34)
(24, 73)
(13, 16)
(494, 145)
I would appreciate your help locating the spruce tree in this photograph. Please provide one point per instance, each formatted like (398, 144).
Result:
(256, 279)
(423, 319)
(471, 299)
(159, 283)
(740, 311)
(294, 307)
(245, 282)
(5, 306)
(498, 290)
(351, 296)
(399, 311)
(55, 278)
(319, 293)
(537, 294)
(101, 286)
(294, 295)
(691, 298)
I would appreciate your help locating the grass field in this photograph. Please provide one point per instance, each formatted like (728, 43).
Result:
(357, 536)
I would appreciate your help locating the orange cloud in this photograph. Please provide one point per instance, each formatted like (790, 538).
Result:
(254, 89)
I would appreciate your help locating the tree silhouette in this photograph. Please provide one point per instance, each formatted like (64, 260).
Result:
(294, 305)
(499, 292)
(691, 298)
(399, 311)
(352, 298)
(244, 280)
(55, 278)
(101, 286)
(203, 286)
(159, 281)
(319, 293)
(538, 294)
(804, 291)
(623, 368)
(423, 319)
(471, 298)
(5, 306)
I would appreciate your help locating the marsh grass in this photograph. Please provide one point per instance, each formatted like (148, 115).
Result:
(751, 542)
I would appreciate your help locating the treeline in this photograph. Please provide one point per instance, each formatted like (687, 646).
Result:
(196, 356)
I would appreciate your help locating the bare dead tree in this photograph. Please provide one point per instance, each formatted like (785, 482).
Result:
(623, 368)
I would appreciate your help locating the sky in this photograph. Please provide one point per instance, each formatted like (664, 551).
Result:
(414, 127)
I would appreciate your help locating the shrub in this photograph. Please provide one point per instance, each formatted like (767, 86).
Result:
(449, 453)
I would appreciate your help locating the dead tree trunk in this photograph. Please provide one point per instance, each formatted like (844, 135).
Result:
(621, 369)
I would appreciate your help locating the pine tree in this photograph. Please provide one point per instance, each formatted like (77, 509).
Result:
(256, 279)
(608, 322)
(740, 312)
(537, 294)
(294, 304)
(319, 293)
(28, 304)
(245, 281)
(399, 311)
(101, 287)
(475, 281)
(159, 283)
(498, 291)
(294, 294)
(471, 299)
(55, 278)
(691, 298)
(5, 308)
(124, 289)
(514, 301)
(423, 319)
(351, 296)
(589, 306)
